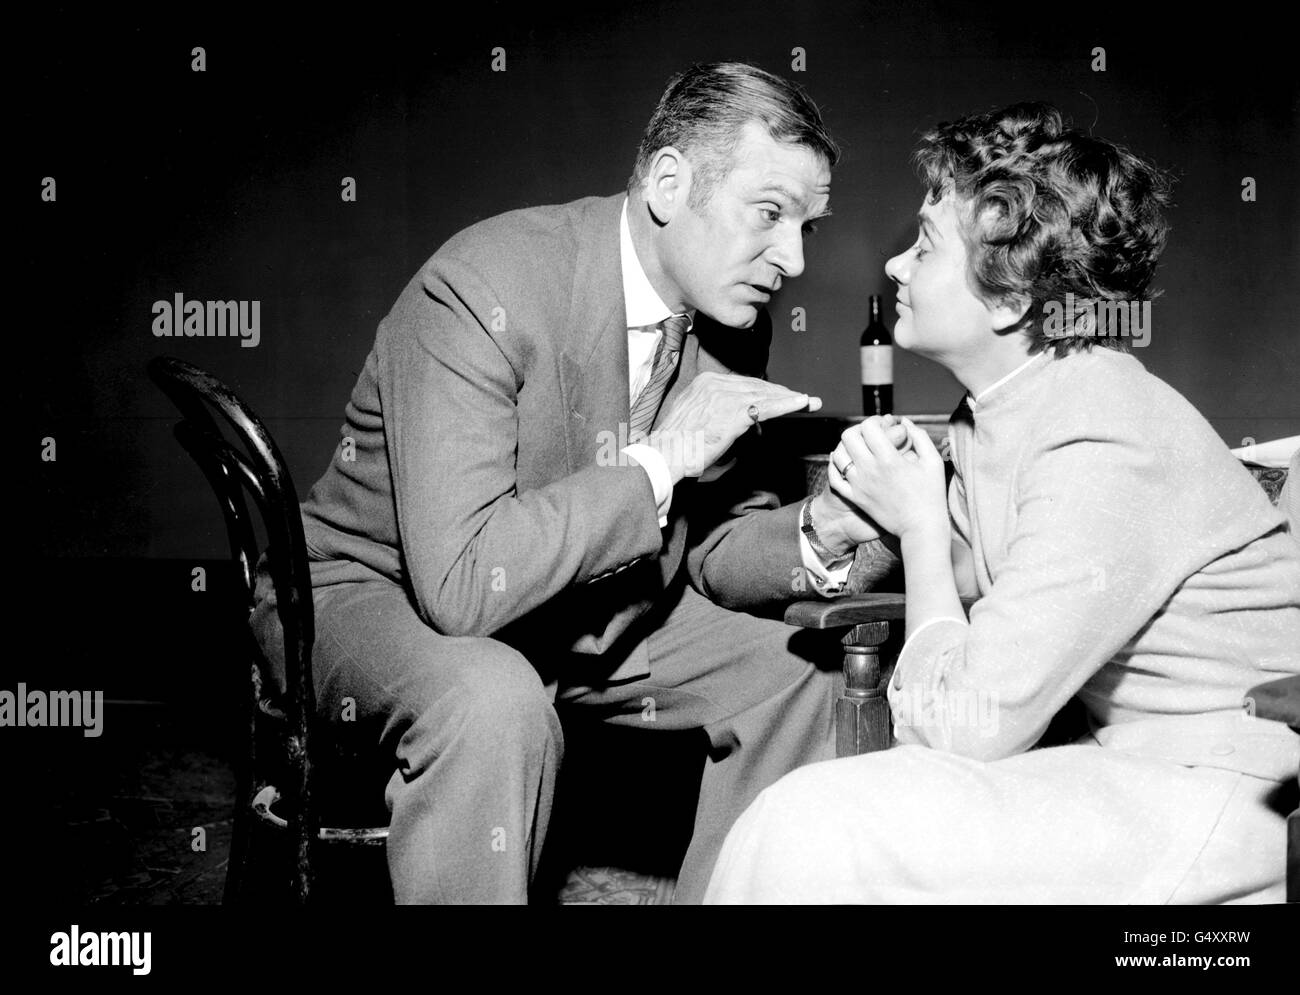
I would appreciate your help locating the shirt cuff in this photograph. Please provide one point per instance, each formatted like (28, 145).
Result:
(924, 709)
(911, 641)
(825, 580)
(656, 467)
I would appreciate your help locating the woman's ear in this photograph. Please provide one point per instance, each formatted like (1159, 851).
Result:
(1009, 311)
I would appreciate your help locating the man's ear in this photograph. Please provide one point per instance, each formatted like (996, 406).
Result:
(1009, 311)
(667, 185)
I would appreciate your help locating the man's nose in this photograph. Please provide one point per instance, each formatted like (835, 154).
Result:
(787, 253)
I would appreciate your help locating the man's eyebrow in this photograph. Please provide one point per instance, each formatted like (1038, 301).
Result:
(789, 195)
(927, 226)
(778, 188)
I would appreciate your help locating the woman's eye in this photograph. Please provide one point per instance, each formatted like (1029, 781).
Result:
(919, 250)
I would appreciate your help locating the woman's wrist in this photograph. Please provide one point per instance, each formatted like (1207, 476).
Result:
(928, 575)
(930, 531)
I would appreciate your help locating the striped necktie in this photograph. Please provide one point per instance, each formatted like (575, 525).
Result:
(665, 365)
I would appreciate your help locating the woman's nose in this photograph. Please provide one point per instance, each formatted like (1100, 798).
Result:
(896, 268)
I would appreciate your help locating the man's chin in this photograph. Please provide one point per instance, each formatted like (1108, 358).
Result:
(739, 316)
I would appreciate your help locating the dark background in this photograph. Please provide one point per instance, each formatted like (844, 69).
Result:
(225, 185)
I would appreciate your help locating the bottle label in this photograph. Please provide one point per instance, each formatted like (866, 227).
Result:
(877, 365)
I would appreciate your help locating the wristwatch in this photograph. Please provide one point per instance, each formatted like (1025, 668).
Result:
(806, 526)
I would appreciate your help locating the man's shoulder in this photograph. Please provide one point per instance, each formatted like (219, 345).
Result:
(540, 235)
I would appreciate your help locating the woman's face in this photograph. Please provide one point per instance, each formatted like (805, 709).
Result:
(939, 315)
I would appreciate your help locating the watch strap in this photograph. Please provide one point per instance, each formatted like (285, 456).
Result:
(809, 531)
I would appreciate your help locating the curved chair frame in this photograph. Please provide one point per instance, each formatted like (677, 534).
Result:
(263, 473)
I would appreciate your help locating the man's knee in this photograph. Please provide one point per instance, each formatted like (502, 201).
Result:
(492, 695)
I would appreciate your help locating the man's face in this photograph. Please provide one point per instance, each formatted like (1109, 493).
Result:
(730, 256)
(939, 313)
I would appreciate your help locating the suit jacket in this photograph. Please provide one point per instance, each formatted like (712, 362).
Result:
(475, 467)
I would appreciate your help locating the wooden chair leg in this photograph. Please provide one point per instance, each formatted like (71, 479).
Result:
(862, 719)
(240, 843)
(241, 835)
(1293, 856)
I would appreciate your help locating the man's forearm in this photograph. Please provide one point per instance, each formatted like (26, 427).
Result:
(525, 550)
(751, 560)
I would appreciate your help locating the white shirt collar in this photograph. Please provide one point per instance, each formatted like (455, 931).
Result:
(976, 398)
(644, 307)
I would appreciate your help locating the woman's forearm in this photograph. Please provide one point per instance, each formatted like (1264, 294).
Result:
(928, 575)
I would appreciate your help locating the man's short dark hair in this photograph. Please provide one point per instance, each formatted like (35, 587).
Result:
(1051, 211)
(703, 111)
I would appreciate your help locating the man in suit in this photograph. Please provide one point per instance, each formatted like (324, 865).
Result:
(542, 495)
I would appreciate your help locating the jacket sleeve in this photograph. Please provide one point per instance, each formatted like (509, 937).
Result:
(749, 556)
(479, 555)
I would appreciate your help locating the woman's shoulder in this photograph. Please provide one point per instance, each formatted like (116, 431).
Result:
(1110, 393)
(1138, 432)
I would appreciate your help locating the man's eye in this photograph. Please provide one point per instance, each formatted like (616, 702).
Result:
(919, 250)
(769, 215)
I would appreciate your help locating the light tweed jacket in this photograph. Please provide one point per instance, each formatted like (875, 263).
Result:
(1122, 554)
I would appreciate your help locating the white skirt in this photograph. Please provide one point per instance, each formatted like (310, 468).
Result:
(1078, 824)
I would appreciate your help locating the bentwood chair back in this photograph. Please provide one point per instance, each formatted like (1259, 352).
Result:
(279, 722)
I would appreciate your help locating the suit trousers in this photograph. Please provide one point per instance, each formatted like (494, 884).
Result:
(475, 742)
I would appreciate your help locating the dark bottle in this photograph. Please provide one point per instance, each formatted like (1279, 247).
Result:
(877, 363)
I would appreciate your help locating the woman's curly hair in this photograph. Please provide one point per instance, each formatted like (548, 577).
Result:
(1051, 211)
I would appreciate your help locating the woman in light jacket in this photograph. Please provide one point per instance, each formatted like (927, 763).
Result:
(1119, 552)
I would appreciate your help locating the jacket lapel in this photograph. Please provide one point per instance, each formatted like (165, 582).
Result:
(594, 361)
